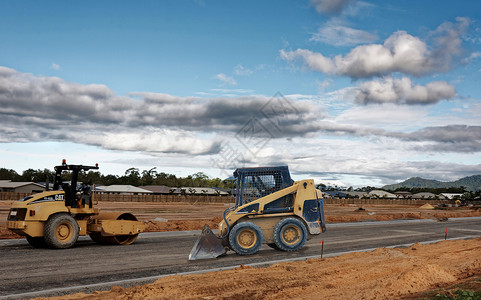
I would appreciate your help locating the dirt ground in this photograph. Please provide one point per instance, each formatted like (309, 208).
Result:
(382, 274)
(184, 216)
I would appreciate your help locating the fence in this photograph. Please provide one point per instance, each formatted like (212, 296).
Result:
(138, 198)
(163, 198)
(12, 195)
(226, 199)
(385, 201)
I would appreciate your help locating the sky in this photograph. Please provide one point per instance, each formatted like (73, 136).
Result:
(346, 92)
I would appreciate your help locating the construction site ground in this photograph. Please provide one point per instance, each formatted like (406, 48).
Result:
(411, 273)
(185, 216)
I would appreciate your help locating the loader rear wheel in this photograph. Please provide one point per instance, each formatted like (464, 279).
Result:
(290, 234)
(61, 231)
(36, 242)
(245, 238)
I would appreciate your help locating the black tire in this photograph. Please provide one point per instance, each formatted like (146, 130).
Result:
(125, 239)
(36, 242)
(245, 238)
(61, 231)
(113, 240)
(290, 234)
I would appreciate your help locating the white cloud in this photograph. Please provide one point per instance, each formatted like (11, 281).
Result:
(242, 71)
(401, 52)
(154, 141)
(337, 34)
(472, 57)
(226, 79)
(402, 91)
(55, 66)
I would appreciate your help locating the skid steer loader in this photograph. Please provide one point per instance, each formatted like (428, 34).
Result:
(269, 208)
(56, 218)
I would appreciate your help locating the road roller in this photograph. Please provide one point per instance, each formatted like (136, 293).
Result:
(56, 218)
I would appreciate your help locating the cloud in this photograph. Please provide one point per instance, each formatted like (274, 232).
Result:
(472, 57)
(401, 52)
(449, 138)
(334, 33)
(242, 71)
(38, 108)
(402, 91)
(55, 66)
(330, 7)
(155, 141)
(225, 79)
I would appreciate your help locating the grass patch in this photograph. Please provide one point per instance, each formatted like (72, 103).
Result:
(468, 290)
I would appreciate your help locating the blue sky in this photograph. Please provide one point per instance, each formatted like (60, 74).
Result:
(344, 91)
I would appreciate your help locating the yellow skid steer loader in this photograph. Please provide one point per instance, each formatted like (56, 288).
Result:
(269, 208)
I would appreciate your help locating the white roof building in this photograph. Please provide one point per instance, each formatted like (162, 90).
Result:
(122, 189)
(426, 196)
(203, 191)
(20, 187)
(451, 196)
(381, 194)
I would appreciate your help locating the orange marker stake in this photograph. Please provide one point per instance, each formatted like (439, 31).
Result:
(445, 234)
(322, 247)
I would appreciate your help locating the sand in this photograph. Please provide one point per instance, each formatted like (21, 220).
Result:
(380, 274)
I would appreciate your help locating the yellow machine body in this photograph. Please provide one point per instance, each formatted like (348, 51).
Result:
(56, 218)
(254, 211)
(270, 208)
(28, 216)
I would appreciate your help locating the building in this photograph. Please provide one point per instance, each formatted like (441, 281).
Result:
(381, 194)
(162, 189)
(335, 194)
(426, 196)
(202, 191)
(356, 194)
(452, 196)
(122, 189)
(21, 187)
(403, 195)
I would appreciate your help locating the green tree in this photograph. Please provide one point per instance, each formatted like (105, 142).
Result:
(9, 174)
(148, 176)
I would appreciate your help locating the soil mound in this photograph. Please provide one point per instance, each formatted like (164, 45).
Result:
(381, 274)
(427, 206)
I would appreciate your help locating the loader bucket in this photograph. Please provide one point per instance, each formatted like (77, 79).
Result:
(207, 246)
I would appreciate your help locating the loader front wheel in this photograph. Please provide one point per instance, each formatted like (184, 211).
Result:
(245, 238)
(290, 234)
(61, 231)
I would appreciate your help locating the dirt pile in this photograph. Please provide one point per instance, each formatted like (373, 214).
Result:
(427, 206)
(180, 225)
(381, 274)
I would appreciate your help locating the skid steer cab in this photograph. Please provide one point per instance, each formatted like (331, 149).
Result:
(269, 208)
(55, 218)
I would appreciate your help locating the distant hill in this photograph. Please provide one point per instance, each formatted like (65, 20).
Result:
(471, 183)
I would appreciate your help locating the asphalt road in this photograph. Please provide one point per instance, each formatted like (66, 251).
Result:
(27, 272)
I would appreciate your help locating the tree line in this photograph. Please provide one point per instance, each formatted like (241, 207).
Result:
(132, 176)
